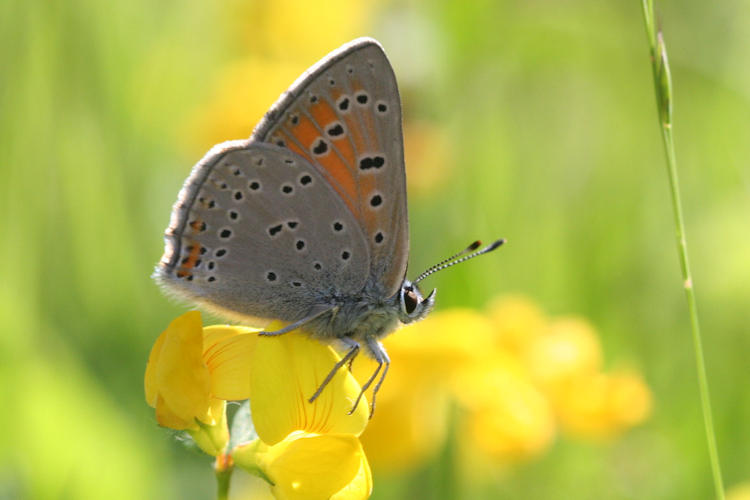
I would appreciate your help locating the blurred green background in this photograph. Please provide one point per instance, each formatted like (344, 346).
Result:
(548, 114)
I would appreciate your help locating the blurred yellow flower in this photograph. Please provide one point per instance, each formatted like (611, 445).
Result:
(563, 357)
(428, 154)
(739, 491)
(242, 94)
(277, 41)
(516, 321)
(566, 349)
(603, 405)
(453, 356)
(296, 29)
(514, 375)
(506, 418)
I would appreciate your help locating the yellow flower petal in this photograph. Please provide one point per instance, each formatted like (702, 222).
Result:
(177, 376)
(517, 321)
(167, 418)
(582, 406)
(508, 418)
(740, 491)
(630, 401)
(360, 487)
(310, 467)
(308, 32)
(227, 354)
(236, 105)
(429, 156)
(472, 386)
(216, 334)
(151, 386)
(603, 405)
(410, 421)
(284, 373)
(444, 342)
(409, 427)
(567, 349)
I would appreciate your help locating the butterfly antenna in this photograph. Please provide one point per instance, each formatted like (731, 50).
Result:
(468, 249)
(453, 260)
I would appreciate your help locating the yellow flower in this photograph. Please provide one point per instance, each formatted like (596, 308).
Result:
(278, 41)
(284, 373)
(603, 405)
(177, 385)
(429, 155)
(243, 92)
(297, 29)
(455, 355)
(565, 360)
(514, 377)
(517, 321)
(566, 349)
(410, 423)
(507, 418)
(304, 449)
(310, 466)
(740, 491)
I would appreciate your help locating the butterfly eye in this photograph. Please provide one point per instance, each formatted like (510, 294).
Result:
(410, 301)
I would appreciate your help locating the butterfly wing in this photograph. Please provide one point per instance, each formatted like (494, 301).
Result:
(344, 117)
(255, 232)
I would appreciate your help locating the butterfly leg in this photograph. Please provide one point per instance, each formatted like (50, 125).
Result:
(297, 324)
(348, 358)
(365, 387)
(378, 352)
(385, 359)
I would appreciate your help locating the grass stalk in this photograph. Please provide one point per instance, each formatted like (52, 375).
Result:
(663, 91)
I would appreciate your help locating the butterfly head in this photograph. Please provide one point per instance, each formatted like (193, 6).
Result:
(413, 306)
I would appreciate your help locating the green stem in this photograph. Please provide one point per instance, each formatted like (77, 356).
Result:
(223, 468)
(690, 296)
(663, 90)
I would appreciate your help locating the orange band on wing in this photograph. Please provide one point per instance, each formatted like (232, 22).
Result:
(293, 145)
(354, 132)
(304, 132)
(323, 114)
(344, 148)
(334, 169)
(344, 182)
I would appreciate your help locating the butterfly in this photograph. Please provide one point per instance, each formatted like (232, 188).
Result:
(306, 221)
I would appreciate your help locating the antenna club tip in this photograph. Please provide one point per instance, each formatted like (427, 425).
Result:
(496, 244)
(474, 246)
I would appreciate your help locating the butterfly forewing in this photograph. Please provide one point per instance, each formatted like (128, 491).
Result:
(257, 231)
(344, 117)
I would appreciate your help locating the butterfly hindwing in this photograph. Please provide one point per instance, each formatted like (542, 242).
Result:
(344, 117)
(257, 231)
